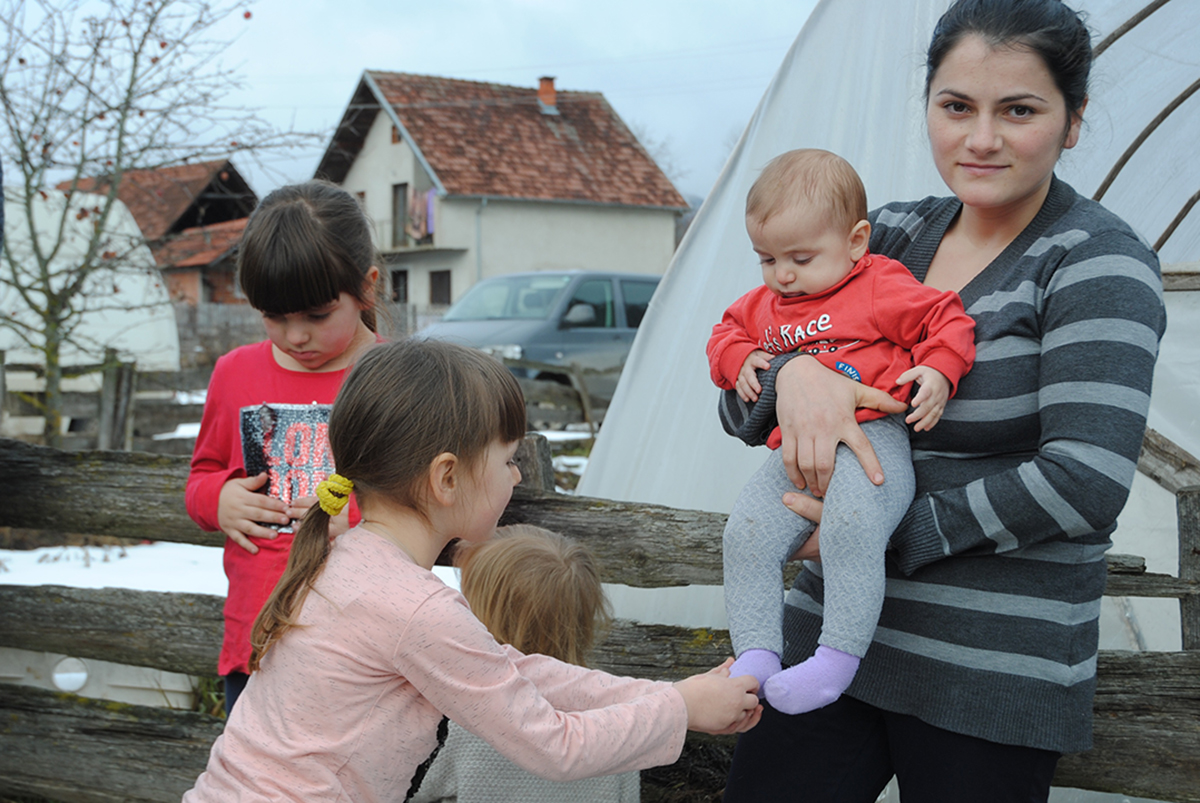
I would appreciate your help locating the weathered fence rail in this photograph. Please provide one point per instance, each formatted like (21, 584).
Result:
(1147, 710)
(131, 407)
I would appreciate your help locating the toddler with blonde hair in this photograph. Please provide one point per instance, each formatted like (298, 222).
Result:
(539, 592)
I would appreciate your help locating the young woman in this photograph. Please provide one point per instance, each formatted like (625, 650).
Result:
(982, 669)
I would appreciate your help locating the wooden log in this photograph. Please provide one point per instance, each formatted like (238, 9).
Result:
(1152, 585)
(135, 494)
(126, 494)
(1187, 503)
(1147, 728)
(636, 544)
(76, 750)
(182, 632)
(116, 403)
(533, 459)
(175, 632)
(660, 652)
(1125, 564)
(140, 496)
(1167, 463)
(1181, 276)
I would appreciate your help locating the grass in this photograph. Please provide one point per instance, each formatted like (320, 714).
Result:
(209, 695)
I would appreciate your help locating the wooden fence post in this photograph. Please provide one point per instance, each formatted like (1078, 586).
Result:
(575, 372)
(1187, 505)
(534, 460)
(116, 403)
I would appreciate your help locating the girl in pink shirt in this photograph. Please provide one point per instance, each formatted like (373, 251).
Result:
(361, 652)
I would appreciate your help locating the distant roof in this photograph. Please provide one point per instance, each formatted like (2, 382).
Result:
(165, 199)
(200, 245)
(484, 139)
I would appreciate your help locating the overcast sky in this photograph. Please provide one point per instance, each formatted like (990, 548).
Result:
(686, 74)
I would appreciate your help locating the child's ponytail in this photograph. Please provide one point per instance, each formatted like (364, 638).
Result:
(310, 548)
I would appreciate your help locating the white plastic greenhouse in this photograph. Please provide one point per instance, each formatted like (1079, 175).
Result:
(853, 83)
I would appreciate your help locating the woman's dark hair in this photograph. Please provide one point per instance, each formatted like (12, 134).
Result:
(303, 246)
(1046, 27)
(402, 405)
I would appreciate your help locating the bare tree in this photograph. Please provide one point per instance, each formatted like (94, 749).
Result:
(662, 151)
(89, 90)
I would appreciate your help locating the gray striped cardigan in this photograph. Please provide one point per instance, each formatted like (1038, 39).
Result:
(994, 577)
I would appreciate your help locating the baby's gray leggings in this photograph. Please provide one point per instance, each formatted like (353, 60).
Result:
(856, 523)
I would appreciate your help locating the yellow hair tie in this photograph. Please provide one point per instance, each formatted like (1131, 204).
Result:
(334, 493)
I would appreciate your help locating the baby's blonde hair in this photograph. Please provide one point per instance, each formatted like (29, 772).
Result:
(536, 590)
(823, 179)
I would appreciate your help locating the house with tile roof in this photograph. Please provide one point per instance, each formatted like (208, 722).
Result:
(192, 217)
(465, 180)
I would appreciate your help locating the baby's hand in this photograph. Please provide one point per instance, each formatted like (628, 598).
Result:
(719, 704)
(747, 384)
(240, 509)
(930, 401)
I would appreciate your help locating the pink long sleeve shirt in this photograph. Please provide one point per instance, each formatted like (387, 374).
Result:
(346, 706)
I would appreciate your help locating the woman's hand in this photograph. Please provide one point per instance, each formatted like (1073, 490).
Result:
(811, 509)
(719, 704)
(815, 407)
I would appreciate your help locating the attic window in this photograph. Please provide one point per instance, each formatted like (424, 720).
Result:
(395, 135)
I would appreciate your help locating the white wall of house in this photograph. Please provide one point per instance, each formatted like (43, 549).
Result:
(473, 239)
(125, 307)
(380, 165)
(533, 235)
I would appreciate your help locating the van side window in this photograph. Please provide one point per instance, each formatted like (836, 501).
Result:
(597, 294)
(637, 297)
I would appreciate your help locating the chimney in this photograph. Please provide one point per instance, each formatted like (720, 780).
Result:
(547, 95)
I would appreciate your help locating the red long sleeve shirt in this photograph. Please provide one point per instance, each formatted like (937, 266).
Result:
(873, 325)
(259, 417)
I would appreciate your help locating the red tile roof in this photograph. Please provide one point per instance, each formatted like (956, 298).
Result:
(158, 198)
(494, 140)
(199, 246)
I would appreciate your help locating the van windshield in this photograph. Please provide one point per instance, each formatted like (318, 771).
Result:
(529, 297)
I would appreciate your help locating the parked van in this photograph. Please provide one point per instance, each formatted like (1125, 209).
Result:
(582, 318)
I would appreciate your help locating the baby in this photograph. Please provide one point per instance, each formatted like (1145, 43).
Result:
(864, 315)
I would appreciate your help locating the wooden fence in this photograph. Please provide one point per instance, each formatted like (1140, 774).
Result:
(65, 747)
(132, 407)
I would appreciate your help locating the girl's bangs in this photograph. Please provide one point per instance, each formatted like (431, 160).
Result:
(512, 423)
(286, 287)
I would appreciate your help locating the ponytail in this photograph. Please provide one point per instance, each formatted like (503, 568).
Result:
(310, 548)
